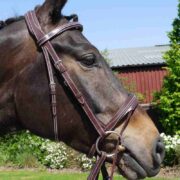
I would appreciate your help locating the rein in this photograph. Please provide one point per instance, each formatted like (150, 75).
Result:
(122, 115)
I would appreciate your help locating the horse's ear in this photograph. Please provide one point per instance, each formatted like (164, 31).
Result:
(52, 9)
(56, 12)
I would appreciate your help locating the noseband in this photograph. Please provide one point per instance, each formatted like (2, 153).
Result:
(122, 115)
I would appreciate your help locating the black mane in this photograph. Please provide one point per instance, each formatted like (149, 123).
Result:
(10, 21)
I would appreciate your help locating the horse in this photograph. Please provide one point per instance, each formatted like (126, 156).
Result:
(133, 144)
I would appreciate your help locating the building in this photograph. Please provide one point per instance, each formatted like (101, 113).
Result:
(142, 68)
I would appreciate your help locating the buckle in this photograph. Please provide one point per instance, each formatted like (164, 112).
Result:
(100, 138)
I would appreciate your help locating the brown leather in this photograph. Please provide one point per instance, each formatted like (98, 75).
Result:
(97, 167)
(59, 31)
(124, 112)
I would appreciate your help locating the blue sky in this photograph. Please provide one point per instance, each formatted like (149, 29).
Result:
(112, 23)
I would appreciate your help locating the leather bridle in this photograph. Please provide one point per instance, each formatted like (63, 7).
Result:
(122, 115)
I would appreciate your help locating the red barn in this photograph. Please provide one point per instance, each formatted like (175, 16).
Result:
(142, 68)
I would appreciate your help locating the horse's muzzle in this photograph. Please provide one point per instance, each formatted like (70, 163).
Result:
(133, 167)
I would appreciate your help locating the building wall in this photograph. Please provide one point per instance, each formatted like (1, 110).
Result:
(145, 80)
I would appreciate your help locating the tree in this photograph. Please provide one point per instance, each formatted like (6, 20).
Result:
(168, 99)
(105, 54)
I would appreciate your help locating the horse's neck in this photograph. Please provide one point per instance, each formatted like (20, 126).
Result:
(11, 29)
(16, 49)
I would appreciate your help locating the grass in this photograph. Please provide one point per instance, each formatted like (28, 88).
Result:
(44, 175)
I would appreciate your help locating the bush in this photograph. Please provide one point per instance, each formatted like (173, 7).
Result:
(172, 147)
(177, 151)
(130, 86)
(24, 149)
(167, 100)
(27, 160)
(14, 146)
(56, 155)
(84, 162)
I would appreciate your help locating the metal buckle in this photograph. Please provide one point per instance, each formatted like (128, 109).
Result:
(100, 138)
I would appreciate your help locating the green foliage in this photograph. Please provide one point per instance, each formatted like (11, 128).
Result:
(19, 148)
(84, 162)
(27, 160)
(105, 54)
(131, 87)
(174, 35)
(25, 150)
(56, 155)
(177, 152)
(168, 99)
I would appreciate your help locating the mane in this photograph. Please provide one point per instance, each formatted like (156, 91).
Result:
(10, 21)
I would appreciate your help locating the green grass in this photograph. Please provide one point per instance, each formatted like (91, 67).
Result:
(44, 175)
(33, 175)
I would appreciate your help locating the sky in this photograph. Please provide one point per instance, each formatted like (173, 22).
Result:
(112, 24)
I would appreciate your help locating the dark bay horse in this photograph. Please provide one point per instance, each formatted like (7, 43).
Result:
(25, 99)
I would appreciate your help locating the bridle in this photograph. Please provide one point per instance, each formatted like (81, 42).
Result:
(122, 115)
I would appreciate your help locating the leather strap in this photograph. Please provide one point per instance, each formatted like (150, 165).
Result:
(103, 166)
(105, 172)
(129, 106)
(52, 85)
(31, 17)
(97, 167)
(124, 112)
(58, 31)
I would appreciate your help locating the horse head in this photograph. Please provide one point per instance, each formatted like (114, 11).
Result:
(142, 151)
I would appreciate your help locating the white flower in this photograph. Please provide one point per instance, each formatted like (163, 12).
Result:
(170, 142)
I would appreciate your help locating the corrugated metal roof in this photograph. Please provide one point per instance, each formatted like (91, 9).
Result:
(137, 56)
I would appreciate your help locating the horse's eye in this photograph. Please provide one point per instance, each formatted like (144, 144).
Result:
(88, 60)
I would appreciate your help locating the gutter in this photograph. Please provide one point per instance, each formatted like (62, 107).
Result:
(138, 65)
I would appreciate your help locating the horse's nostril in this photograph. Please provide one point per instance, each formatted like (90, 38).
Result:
(160, 148)
(159, 152)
